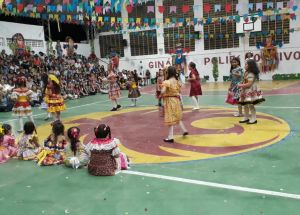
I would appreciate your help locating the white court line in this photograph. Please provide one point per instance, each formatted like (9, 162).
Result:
(40, 114)
(215, 185)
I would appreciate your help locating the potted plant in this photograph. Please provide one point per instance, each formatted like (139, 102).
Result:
(215, 69)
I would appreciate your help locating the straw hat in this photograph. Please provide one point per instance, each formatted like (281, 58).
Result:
(53, 78)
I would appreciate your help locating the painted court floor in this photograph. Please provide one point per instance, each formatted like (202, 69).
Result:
(221, 168)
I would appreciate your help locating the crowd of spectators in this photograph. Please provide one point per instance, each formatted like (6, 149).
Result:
(79, 76)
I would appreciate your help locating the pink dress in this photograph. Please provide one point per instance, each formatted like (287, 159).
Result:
(9, 143)
(7, 148)
(195, 84)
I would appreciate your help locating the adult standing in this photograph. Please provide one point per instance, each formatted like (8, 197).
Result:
(172, 103)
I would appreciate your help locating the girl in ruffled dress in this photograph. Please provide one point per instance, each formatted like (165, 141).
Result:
(55, 100)
(74, 150)
(133, 90)
(114, 92)
(28, 144)
(236, 77)
(22, 107)
(103, 153)
(9, 140)
(54, 146)
(251, 95)
(6, 150)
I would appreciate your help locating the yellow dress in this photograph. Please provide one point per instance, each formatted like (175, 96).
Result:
(172, 103)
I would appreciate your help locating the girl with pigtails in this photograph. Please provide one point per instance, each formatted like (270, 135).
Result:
(103, 153)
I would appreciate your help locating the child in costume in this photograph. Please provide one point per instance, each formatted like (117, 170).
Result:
(22, 107)
(54, 99)
(114, 92)
(103, 153)
(251, 95)
(74, 150)
(9, 140)
(172, 103)
(6, 150)
(133, 90)
(236, 77)
(28, 144)
(159, 80)
(54, 146)
(195, 90)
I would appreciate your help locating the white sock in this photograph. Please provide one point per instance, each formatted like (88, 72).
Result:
(195, 101)
(240, 108)
(21, 123)
(253, 113)
(171, 132)
(49, 115)
(182, 126)
(114, 102)
(246, 110)
(31, 118)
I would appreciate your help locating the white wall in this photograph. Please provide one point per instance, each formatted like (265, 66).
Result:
(36, 32)
(82, 48)
(289, 54)
(29, 32)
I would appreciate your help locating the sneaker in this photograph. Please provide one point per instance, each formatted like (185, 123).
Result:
(195, 108)
(119, 106)
(114, 109)
(47, 118)
(185, 133)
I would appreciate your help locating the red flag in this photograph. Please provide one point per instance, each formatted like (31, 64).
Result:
(20, 7)
(40, 8)
(185, 8)
(207, 8)
(129, 8)
(228, 8)
(161, 9)
(98, 9)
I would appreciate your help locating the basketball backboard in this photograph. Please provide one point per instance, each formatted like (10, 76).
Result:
(249, 24)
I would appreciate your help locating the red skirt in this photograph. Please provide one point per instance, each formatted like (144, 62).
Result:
(195, 88)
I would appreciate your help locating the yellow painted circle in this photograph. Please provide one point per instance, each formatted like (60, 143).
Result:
(269, 130)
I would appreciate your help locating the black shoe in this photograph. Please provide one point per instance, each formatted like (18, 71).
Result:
(119, 106)
(185, 133)
(114, 109)
(244, 121)
(169, 140)
(47, 118)
(250, 123)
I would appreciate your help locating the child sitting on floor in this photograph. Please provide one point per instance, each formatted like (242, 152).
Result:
(9, 140)
(103, 153)
(28, 145)
(54, 146)
(75, 149)
(5, 152)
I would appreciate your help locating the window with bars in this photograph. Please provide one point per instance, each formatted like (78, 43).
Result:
(143, 43)
(2, 41)
(31, 43)
(274, 25)
(141, 11)
(184, 34)
(220, 35)
(107, 42)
